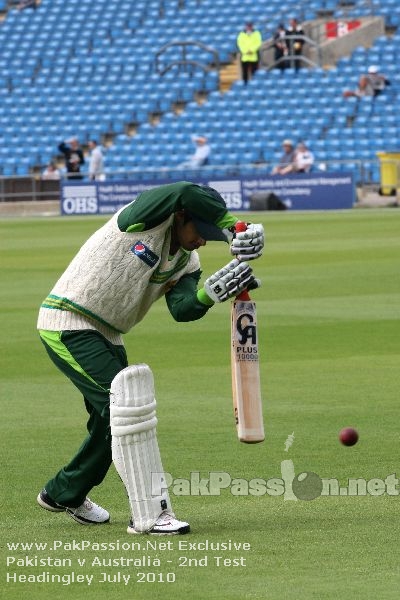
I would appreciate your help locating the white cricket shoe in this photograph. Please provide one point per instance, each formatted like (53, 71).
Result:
(166, 524)
(87, 513)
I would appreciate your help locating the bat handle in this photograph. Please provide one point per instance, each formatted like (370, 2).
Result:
(244, 296)
(241, 226)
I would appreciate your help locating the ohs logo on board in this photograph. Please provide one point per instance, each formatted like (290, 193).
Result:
(79, 200)
(230, 191)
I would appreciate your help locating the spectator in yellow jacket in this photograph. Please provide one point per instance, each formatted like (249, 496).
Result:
(249, 43)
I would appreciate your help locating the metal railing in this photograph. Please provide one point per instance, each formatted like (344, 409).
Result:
(185, 64)
(28, 188)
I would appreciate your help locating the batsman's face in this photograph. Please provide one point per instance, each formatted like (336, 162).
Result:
(186, 234)
(189, 237)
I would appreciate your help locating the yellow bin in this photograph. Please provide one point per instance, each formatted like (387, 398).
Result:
(390, 169)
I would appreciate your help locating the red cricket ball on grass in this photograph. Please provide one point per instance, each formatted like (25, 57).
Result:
(348, 436)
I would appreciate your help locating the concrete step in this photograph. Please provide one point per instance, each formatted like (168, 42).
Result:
(228, 75)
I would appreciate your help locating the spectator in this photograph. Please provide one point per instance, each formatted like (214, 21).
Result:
(249, 43)
(281, 48)
(51, 172)
(96, 164)
(285, 164)
(200, 157)
(371, 83)
(303, 159)
(73, 157)
(295, 41)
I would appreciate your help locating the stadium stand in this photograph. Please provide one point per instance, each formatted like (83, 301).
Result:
(88, 69)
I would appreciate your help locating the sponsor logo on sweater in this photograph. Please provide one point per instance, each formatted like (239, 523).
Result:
(145, 254)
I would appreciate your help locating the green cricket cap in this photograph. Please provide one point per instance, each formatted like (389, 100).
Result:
(208, 230)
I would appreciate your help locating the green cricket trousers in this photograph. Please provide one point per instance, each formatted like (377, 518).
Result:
(91, 362)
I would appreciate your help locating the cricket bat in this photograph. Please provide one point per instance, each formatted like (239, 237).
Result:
(246, 389)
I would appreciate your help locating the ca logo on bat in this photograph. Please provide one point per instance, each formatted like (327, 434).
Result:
(246, 330)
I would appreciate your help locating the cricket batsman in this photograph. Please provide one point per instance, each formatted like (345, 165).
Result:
(148, 249)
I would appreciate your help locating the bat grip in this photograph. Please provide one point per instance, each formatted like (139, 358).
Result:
(241, 226)
(245, 296)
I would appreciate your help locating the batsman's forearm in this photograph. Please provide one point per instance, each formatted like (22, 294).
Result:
(187, 309)
(185, 302)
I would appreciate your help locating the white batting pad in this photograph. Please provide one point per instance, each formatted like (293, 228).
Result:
(135, 449)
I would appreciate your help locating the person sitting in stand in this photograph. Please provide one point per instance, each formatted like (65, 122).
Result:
(303, 159)
(51, 172)
(286, 161)
(201, 154)
(370, 84)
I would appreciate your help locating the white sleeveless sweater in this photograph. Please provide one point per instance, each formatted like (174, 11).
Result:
(114, 279)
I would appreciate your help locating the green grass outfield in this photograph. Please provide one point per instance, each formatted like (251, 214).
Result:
(329, 343)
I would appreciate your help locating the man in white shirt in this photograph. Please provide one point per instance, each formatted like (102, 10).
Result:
(51, 172)
(201, 154)
(303, 159)
(96, 164)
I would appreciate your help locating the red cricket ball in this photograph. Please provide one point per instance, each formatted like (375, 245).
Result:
(348, 436)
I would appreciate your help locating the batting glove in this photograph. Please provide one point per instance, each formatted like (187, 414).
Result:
(229, 281)
(249, 244)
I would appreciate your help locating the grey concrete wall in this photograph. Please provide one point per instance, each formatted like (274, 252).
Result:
(332, 50)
